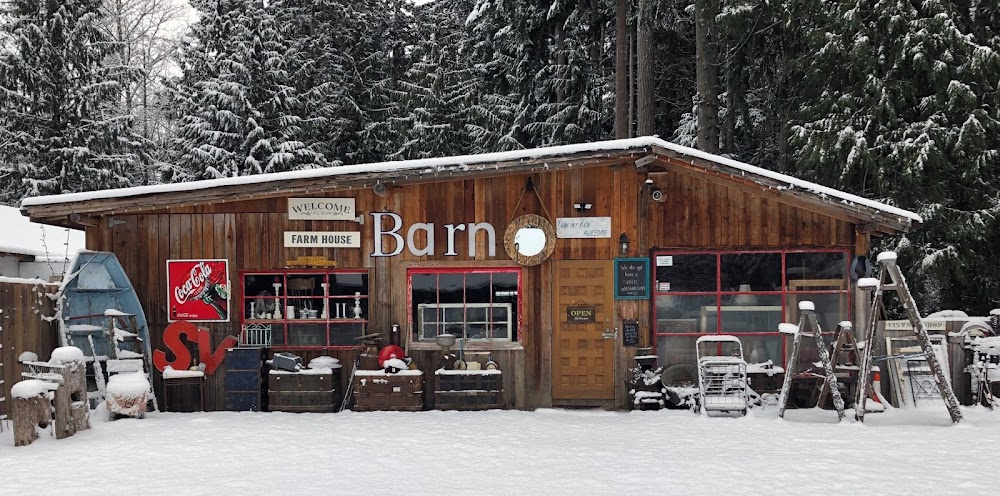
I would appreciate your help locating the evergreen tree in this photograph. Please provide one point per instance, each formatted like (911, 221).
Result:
(239, 112)
(442, 89)
(59, 128)
(904, 105)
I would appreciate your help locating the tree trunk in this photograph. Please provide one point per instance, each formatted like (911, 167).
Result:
(707, 66)
(622, 94)
(644, 50)
(560, 59)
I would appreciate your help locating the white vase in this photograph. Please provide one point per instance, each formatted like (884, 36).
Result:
(357, 304)
(326, 302)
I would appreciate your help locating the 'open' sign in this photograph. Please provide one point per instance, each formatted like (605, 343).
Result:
(580, 314)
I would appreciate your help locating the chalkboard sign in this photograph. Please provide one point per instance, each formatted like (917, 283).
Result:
(630, 332)
(631, 278)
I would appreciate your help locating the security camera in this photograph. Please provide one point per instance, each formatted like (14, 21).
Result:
(658, 195)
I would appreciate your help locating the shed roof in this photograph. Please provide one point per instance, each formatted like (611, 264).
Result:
(652, 153)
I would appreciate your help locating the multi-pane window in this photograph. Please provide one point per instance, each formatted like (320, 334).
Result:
(474, 304)
(302, 309)
(746, 294)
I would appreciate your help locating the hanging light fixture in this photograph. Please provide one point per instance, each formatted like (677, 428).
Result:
(623, 239)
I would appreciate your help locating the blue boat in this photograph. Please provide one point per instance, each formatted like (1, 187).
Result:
(102, 316)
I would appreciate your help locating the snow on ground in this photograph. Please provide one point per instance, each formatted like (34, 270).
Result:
(914, 452)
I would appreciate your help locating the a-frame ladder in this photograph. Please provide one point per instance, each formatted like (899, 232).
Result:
(898, 284)
(809, 327)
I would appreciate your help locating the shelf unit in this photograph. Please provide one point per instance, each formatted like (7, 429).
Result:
(307, 308)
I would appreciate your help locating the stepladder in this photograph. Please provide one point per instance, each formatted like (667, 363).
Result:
(809, 328)
(891, 279)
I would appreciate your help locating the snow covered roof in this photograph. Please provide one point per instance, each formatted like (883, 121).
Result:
(441, 168)
(19, 236)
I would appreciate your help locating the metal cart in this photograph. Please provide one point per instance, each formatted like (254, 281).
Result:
(722, 375)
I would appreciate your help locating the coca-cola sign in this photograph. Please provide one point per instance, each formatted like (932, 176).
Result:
(198, 290)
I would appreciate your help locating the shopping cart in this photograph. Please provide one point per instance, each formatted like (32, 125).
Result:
(722, 375)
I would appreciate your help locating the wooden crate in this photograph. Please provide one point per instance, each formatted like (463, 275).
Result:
(376, 390)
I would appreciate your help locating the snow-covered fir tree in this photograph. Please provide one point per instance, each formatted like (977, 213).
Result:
(239, 113)
(60, 126)
(903, 104)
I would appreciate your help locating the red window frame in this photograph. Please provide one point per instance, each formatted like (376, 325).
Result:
(285, 321)
(516, 335)
(718, 293)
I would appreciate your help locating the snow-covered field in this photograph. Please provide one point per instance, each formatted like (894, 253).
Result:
(510, 452)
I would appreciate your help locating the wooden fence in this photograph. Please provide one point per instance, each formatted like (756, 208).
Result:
(23, 327)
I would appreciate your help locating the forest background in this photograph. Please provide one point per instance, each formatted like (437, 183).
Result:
(896, 100)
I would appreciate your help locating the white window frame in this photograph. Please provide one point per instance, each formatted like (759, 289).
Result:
(441, 323)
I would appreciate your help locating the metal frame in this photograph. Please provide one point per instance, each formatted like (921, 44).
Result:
(719, 294)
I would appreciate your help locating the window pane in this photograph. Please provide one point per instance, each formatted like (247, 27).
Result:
(831, 308)
(751, 272)
(307, 335)
(476, 331)
(452, 315)
(812, 266)
(759, 349)
(452, 288)
(430, 331)
(477, 288)
(500, 314)
(429, 315)
(679, 360)
(688, 273)
(475, 314)
(455, 329)
(501, 331)
(696, 314)
(344, 334)
(751, 313)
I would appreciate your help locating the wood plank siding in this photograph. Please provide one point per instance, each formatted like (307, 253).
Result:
(697, 212)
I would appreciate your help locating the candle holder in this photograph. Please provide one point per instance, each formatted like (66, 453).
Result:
(326, 303)
(357, 305)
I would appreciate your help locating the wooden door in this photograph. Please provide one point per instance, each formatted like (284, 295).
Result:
(583, 358)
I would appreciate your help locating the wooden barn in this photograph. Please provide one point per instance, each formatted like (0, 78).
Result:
(557, 264)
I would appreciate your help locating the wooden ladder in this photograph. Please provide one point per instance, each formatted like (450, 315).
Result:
(898, 284)
(809, 327)
(843, 344)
